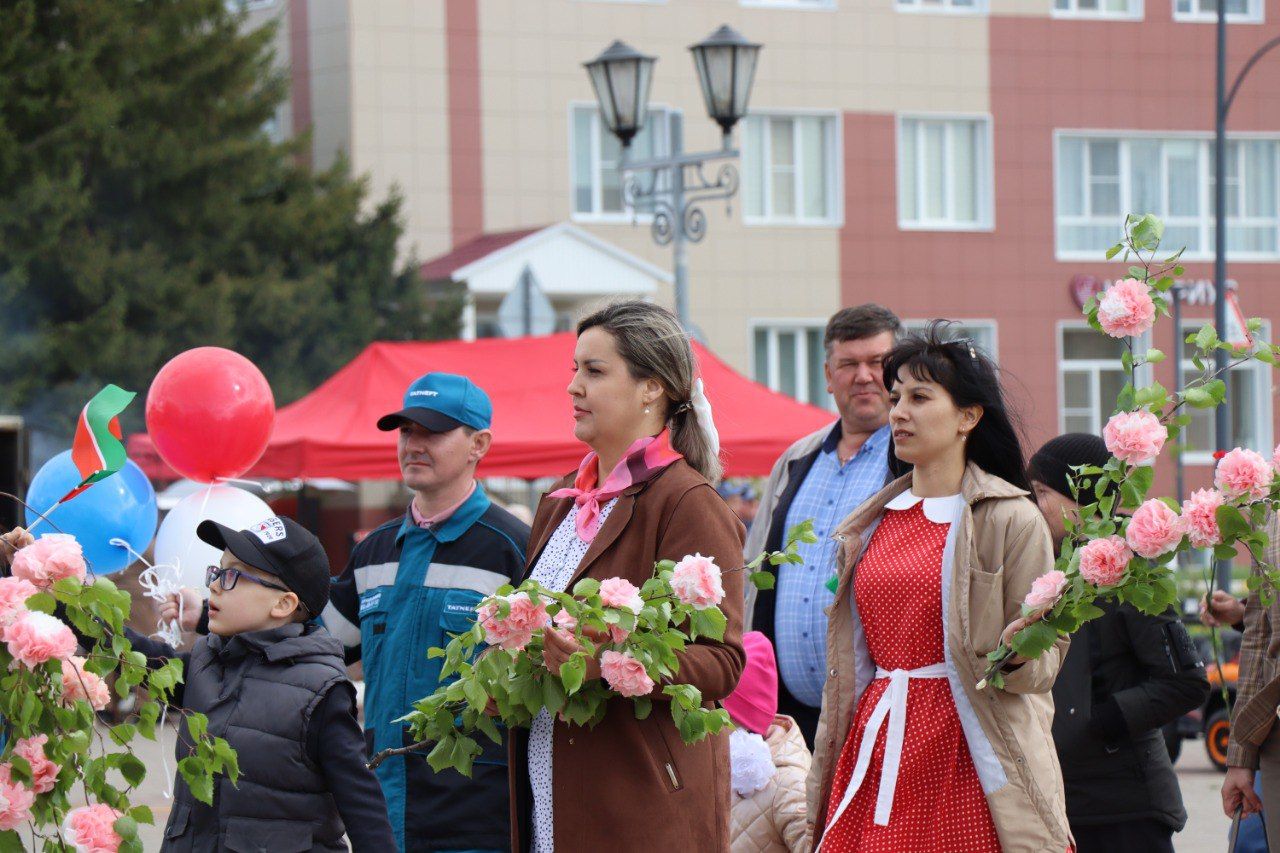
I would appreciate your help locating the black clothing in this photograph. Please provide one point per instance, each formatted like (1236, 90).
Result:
(1125, 675)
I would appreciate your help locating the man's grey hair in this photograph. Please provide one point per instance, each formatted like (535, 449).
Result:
(858, 322)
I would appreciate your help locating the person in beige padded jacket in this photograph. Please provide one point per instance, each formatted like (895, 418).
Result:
(769, 760)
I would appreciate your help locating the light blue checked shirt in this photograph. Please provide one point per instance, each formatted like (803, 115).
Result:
(829, 493)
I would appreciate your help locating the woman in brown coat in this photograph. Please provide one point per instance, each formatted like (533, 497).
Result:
(641, 495)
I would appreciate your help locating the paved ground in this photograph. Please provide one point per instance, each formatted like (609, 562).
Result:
(1201, 782)
(1206, 827)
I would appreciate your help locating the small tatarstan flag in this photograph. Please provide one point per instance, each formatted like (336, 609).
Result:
(98, 450)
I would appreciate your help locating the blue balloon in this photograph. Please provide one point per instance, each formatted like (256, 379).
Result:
(122, 506)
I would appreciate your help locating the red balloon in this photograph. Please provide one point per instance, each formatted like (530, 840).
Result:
(209, 413)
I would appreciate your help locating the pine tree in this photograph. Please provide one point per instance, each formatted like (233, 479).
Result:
(144, 210)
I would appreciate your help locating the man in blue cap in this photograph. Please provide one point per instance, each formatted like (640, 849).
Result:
(410, 584)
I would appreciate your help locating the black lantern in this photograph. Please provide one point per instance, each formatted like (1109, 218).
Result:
(726, 64)
(621, 77)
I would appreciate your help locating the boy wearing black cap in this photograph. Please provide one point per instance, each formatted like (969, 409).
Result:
(1125, 675)
(274, 685)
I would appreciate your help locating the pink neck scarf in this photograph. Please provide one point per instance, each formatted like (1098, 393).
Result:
(643, 460)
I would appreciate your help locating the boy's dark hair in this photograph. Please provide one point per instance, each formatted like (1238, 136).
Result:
(858, 322)
(971, 378)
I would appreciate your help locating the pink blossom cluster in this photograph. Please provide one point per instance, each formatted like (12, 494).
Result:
(16, 800)
(1155, 529)
(1045, 592)
(696, 581)
(513, 632)
(624, 674)
(1200, 515)
(49, 559)
(80, 684)
(92, 829)
(1103, 562)
(1126, 309)
(1135, 437)
(35, 638)
(1243, 473)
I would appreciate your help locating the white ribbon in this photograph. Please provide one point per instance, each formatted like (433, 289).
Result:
(159, 582)
(702, 407)
(893, 704)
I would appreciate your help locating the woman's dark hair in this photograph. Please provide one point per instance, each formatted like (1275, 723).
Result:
(971, 378)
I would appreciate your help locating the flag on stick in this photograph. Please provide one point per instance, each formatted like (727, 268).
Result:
(98, 450)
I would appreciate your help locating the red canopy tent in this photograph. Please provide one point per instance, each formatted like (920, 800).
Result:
(331, 432)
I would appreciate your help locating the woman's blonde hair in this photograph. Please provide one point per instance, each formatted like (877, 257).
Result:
(653, 345)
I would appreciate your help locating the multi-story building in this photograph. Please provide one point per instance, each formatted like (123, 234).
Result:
(966, 159)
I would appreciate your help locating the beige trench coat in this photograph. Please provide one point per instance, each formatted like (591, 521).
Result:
(999, 545)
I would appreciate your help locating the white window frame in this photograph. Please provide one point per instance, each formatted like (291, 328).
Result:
(986, 188)
(1255, 15)
(1095, 366)
(835, 171)
(1135, 12)
(1204, 183)
(914, 7)
(989, 325)
(802, 5)
(801, 327)
(1261, 377)
(627, 215)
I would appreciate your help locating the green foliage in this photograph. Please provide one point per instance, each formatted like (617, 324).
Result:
(146, 211)
(516, 685)
(95, 768)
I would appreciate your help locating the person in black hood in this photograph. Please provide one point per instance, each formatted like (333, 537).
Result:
(1126, 675)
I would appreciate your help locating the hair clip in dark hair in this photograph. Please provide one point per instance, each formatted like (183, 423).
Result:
(968, 344)
(681, 408)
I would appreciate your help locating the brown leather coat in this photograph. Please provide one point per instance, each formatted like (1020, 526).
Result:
(632, 784)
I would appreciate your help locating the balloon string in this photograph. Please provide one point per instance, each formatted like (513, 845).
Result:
(238, 481)
(159, 585)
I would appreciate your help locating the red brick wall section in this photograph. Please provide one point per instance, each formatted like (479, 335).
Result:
(1049, 74)
(462, 49)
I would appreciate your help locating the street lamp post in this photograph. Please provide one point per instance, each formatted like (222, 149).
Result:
(1222, 106)
(676, 185)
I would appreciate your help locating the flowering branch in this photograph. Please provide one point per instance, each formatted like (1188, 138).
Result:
(636, 633)
(1123, 545)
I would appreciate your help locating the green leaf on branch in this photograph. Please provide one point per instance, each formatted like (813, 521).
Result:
(762, 580)
(1115, 250)
(1034, 640)
(1154, 356)
(1205, 339)
(553, 694)
(586, 587)
(1199, 398)
(643, 706)
(1232, 523)
(573, 672)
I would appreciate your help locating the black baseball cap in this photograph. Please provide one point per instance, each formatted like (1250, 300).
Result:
(281, 547)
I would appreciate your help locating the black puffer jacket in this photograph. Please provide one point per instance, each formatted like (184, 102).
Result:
(1125, 676)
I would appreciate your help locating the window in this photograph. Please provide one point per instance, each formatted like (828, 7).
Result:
(790, 170)
(1244, 11)
(1248, 396)
(953, 6)
(595, 154)
(944, 173)
(1100, 178)
(1119, 9)
(788, 356)
(981, 332)
(1091, 378)
(790, 4)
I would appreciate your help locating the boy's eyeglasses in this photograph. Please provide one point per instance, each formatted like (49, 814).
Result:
(229, 576)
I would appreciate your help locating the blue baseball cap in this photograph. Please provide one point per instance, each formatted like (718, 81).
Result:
(442, 402)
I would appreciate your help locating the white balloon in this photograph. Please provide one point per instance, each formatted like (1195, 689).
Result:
(177, 543)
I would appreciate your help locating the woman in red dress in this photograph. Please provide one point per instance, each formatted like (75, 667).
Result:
(911, 756)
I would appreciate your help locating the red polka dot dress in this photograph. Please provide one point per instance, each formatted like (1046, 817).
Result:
(937, 800)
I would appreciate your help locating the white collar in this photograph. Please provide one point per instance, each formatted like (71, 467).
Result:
(938, 510)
